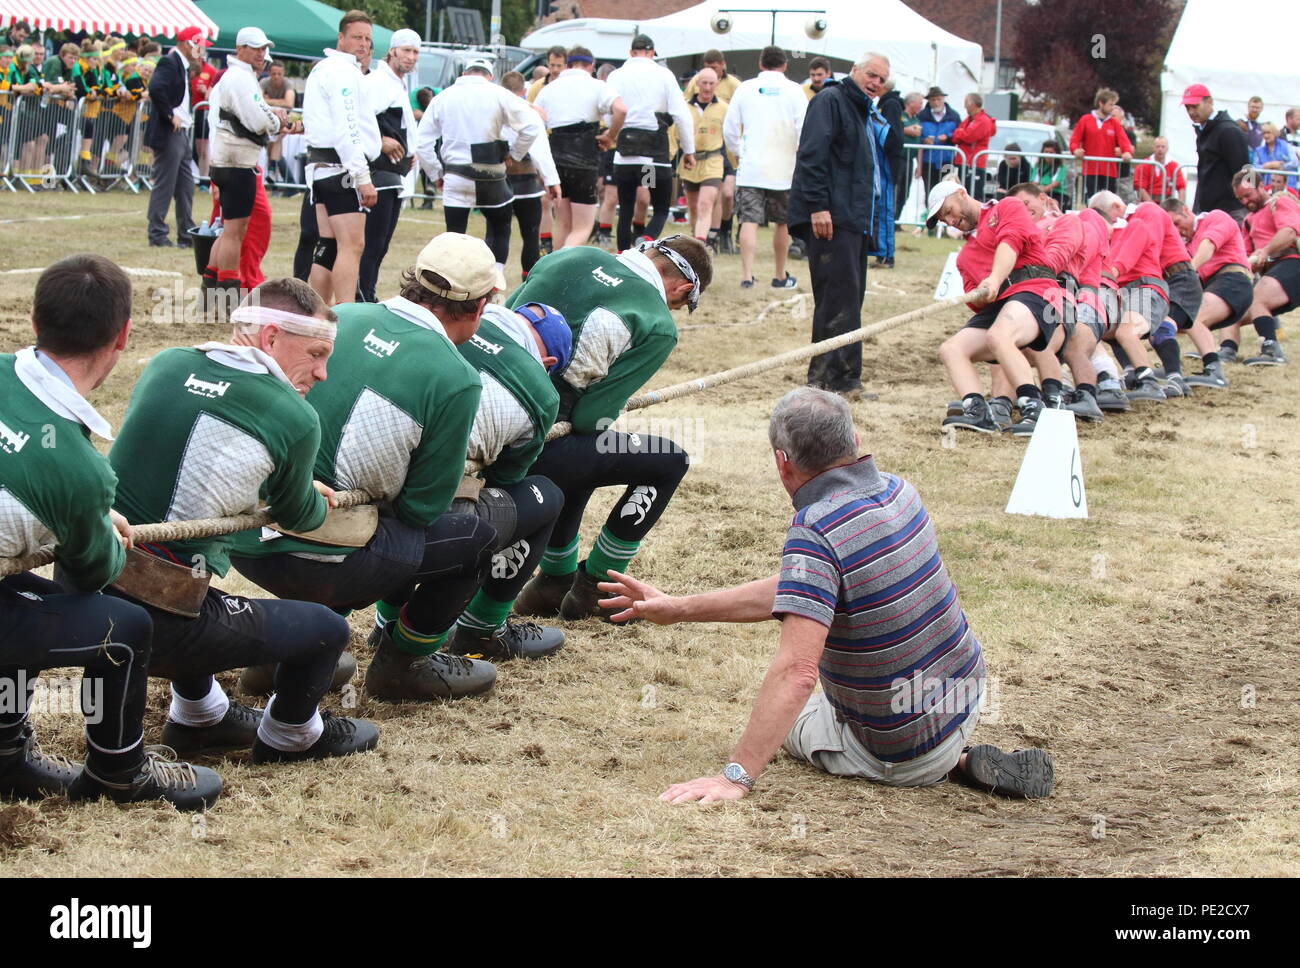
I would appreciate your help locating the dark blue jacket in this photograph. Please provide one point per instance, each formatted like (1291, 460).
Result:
(931, 128)
(166, 93)
(836, 168)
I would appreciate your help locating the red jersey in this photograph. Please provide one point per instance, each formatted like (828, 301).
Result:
(973, 134)
(1280, 212)
(1006, 221)
(1098, 233)
(1224, 234)
(1135, 253)
(1100, 138)
(202, 83)
(1159, 182)
(1172, 248)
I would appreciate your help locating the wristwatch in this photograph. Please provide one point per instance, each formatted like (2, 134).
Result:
(736, 774)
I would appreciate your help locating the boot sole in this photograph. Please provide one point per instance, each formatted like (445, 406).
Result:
(978, 430)
(1024, 773)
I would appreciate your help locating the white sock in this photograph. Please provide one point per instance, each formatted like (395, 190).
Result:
(1102, 363)
(286, 737)
(207, 711)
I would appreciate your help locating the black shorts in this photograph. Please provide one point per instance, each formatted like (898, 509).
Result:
(1287, 272)
(1236, 289)
(728, 170)
(689, 186)
(338, 194)
(201, 125)
(1045, 315)
(238, 188)
(1184, 297)
(607, 166)
(578, 185)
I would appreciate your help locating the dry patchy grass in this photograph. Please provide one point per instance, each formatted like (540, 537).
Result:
(1121, 643)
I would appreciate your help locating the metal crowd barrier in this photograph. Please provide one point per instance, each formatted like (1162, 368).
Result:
(37, 141)
(913, 211)
(1071, 164)
(141, 153)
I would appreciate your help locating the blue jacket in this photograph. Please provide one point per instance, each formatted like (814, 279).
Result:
(931, 128)
(842, 168)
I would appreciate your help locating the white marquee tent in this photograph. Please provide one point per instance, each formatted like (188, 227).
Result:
(1203, 52)
(920, 52)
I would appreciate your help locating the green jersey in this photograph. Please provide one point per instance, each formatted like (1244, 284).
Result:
(519, 401)
(622, 328)
(24, 75)
(55, 487)
(215, 431)
(395, 416)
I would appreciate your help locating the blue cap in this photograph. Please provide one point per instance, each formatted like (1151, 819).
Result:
(553, 329)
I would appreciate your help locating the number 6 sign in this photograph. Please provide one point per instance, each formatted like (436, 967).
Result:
(1050, 482)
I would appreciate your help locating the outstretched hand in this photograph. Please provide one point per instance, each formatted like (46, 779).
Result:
(636, 599)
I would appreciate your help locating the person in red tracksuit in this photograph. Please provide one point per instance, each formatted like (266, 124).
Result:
(257, 237)
(972, 136)
(1100, 135)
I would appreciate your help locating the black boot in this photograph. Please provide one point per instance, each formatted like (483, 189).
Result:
(28, 774)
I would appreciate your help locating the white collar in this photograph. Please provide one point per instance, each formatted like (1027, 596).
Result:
(570, 71)
(640, 263)
(415, 313)
(331, 52)
(234, 63)
(249, 359)
(386, 68)
(57, 392)
(472, 79)
(514, 326)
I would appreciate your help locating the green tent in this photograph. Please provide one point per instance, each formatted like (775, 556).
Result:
(299, 28)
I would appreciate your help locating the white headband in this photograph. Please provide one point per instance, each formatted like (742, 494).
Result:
(289, 322)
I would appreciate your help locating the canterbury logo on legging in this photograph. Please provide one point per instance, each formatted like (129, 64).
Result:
(639, 504)
(508, 562)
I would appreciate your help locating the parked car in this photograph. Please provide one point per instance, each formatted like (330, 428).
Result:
(441, 64)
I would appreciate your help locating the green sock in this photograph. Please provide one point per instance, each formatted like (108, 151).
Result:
(484, 613)
(561, 561)
(610, 553)
(410, 641)
(385, 613)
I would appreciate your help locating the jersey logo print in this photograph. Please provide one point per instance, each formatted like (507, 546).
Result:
(536, 493)
(507, 564)
(605, 279)
(639, 504)
(12, 441)
(490, 348)
(380, 347)
(202, 388)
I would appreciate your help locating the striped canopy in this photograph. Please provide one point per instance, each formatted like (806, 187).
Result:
(153, 18)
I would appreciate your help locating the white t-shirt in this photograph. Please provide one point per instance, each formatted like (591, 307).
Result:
(647, 88)
(762, 129)
(575, 97)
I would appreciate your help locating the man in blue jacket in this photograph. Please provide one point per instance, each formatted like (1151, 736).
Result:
(836, 206)
(938, 122)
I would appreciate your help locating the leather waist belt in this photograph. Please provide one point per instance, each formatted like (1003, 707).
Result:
(322, 156)
(1025, 273)
(707, 153)
(478, 172)
(238, 127)
(163, 584)
(343, 527)
(1177, 267)
(1231, 267)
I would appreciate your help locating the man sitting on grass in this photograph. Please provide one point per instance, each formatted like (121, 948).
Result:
(867, 607)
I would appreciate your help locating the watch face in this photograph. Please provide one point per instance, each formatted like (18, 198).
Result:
(732, 772)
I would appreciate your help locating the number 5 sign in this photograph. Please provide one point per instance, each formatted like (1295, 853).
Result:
(1050, 482)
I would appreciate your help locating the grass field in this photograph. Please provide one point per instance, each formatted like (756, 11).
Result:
(1152, 648)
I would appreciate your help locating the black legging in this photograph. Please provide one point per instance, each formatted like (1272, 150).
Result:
(538, 503)
(108, 637)
(528, 213)
(628, 178)
(498, 227)
(381, 223)
(650, 467)
(308, 236)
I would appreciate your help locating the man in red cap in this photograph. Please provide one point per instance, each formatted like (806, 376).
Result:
(167, 133)
(1221, 152)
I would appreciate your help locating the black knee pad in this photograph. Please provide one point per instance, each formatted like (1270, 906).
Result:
(325, 253)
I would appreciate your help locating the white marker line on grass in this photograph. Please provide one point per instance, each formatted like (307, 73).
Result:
(58, 218)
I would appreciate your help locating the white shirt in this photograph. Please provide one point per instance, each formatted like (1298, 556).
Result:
(762, 129)
(575, 97)
(182, 111)
(472, 113)
(647, 88)
(47, 381)
(335, 115)
(239, 93)
(385, 90)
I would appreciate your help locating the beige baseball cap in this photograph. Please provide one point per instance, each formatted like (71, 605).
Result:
(465, 262)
